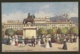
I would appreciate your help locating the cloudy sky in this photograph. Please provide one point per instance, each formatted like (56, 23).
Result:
(19, 10)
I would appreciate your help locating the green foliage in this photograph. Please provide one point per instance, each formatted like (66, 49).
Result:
(64, 30)
(54, 30)
(3, 30)
(10, 32)
(50, 31)
(74, 30)
(19, 32)
(42, 31)
(59, 31)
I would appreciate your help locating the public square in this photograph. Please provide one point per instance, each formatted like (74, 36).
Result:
(40, 27)
(27, 48)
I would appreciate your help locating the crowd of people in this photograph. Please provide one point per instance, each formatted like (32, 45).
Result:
(66, 38)
(42, 41)
(69, 38)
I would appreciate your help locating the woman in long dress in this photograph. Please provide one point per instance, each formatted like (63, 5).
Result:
(22, 44)
(71, 39)
(64, 44)
(58, 39)
(13, 40)
(50, 42)
(47, 43)
(39, 43)
(7, 40)
(10, 40)
(16, 41)
(33, 41)
(74, 39)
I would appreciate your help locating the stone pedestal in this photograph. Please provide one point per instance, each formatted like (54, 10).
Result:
(28, 32)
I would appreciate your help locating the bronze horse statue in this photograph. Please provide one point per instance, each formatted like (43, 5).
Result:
(30, 18)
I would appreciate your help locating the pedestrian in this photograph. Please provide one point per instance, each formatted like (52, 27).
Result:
(58, 39)
(7, 40)
(33, 41)
(67, 38)
(16, 40)
(10, 40)
(71, 39)
(74, 39)
(64, 44)
(22, 44)
(13, 40)
(25, 41)
(47, 43)
(50, 42)
(42, 42)
(39, 41)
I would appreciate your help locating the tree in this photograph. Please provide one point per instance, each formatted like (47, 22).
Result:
(64, 30)
(54, 30)
(3, 32)
(73, 30)
(3, 29)
(19, 32)
(42, 31)
(50, 31)
(37, 33)
(59, 31)
(10, 32)
(76, 31)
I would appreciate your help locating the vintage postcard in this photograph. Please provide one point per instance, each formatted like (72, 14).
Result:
(40, 26)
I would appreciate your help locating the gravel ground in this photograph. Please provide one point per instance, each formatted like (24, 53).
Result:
(38, 48)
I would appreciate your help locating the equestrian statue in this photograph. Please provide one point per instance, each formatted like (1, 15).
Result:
(29, 19)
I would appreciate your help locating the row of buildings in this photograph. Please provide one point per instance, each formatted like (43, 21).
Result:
(39, 23)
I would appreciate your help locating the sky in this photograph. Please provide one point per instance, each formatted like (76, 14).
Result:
(19, 10)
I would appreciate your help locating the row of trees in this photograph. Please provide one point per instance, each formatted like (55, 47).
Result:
(11, 32)
(42, 31)
(54, 30)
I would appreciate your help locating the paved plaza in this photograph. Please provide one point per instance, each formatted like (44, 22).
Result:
(39, 48)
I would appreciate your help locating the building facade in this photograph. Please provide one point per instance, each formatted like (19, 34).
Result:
(39, 23)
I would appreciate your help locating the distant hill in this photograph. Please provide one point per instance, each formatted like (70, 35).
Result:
(73, 19)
